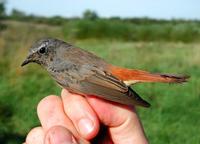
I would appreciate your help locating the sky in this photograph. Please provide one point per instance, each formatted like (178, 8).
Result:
(160, 9)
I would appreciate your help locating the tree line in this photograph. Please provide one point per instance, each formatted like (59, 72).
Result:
(90, 25)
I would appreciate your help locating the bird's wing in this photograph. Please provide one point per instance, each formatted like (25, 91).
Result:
(108, 87)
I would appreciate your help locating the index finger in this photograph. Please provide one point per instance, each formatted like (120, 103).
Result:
(122, 121)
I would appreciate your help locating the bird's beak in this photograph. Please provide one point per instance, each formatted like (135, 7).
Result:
(27, 60)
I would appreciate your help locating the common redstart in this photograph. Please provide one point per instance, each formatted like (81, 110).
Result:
(82, 72)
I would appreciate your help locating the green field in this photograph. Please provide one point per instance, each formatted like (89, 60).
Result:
(175, 112)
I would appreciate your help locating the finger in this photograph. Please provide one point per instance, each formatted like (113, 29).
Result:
(123, 122)
(59, 135)
(35, 136)
(51, 113)
(81, 114)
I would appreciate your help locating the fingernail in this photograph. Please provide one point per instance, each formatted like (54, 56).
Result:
(54, 140)
(64, 92)
(86, 126)
(59, 138)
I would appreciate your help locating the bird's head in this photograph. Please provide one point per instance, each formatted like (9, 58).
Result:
(42, 51)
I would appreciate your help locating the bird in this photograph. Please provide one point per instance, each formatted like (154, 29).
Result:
(82, 72)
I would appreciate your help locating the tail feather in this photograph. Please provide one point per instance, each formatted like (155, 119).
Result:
(174, 78)
(131, 76)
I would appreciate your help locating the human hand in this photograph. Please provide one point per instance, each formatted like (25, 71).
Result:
(77, 119)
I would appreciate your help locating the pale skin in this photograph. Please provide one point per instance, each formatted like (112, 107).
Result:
(73, 119)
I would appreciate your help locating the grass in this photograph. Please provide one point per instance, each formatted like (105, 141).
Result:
(173, 117)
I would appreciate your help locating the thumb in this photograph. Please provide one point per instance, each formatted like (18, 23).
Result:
(122, 121)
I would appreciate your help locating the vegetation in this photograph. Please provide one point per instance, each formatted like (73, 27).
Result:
(2, 9)
(132, 31)
(90, 15)
(2, 14)
(92, 26)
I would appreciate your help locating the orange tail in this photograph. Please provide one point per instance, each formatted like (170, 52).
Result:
(131, 76)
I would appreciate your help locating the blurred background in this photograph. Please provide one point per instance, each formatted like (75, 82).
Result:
(158, 36)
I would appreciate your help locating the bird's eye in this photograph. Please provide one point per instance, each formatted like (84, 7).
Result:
(42, 50)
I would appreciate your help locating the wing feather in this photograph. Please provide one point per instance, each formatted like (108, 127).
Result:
(110, 88)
